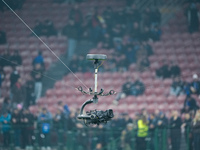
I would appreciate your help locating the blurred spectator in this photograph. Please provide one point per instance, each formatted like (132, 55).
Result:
(2, 77)
(48, 28)
(74, 63)
(108, 15)
(5, 120)
(122, 63)
(130, 54)
(193, 18)
(135, 31)
(156, 33)
(196, 131)
(152, 127)
(39, 59)
(175, 130)
(147, 34)
(155, 17)
(44, 125)
(126, 137)
(147, 47)
(163, 71)
(162, 121)
(98, 146)
(95, 25)
(38, 28)
(187, 129)
(126, 90)
(137, 88)
(45, 28)
(37, 75)
(174, 70)
(6, 106)
(16, 59)
(5, 59)
(14, 76)
(133, 14)
(107, 41)
(117, 33)
(64, 109)
(72, 33)
(16, 125)
(120, 17)
(76, 15)
(27, 120)
(177, 87)
(59, 120)
(3, 39)
(18, 93)
(142, 63)
(71, 121)
(142, 133)
(111, 65)
(190, 104)
(161, 132)
(147, 14)
(30, 91)
(195, 85)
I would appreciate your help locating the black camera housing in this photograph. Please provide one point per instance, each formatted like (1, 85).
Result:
(99, 116)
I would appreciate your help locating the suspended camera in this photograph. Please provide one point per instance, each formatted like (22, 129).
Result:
(95, 116)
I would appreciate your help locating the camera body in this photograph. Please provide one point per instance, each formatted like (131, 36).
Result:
(99, 116)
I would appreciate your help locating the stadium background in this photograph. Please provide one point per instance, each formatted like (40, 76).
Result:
(165, 37)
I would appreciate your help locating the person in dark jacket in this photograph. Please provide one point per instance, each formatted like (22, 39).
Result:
(163, 71)
(187, 128)
(14, 76)
(37, 75)
(196, 131)
(18, 93)
(189, 104)
(30, 91)
(44, 124)
(27, 121)
(16, 58)
(5, 120)
(175, 130)
(126, 88)
(16, 125)
(72, 33)
(195, 85)
(3, 39)
(193, 18)
(162, 126)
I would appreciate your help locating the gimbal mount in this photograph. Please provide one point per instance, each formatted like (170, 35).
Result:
(95, 116)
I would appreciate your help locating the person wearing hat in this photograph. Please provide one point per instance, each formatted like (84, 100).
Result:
(195, 85)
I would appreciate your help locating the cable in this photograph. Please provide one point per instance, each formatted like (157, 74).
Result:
(43, 43)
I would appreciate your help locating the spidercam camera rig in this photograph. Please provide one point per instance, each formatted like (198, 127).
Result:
(95, 116)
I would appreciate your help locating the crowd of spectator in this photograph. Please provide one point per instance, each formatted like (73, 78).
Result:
(22, 93)
(180, 87)
(127, 31)
(149, 129)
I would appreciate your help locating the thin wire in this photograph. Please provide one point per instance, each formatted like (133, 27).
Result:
(43, 43)
(35, 71)
(100, 64)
